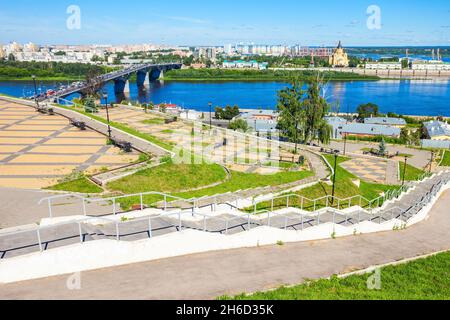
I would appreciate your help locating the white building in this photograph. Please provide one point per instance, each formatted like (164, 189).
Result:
(31, 47)
(12, 48)
(434, 65)
(241, 64)
(384, 65)
(228, 49)
(2, 52)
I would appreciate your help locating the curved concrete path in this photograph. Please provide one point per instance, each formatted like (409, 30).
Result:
(208, 275)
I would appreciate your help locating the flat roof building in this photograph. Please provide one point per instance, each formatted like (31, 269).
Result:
(437, 130)
(396, 122)
(341, 128)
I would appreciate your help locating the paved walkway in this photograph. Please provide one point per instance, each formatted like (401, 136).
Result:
(419, 159)
(208, 275)
(36, 150)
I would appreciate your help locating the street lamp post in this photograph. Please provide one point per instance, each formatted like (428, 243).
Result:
(404, 171)
(35, 91)
(336, 156)
(210, 115)
(105, 96)
(431, 162)
(345, 144)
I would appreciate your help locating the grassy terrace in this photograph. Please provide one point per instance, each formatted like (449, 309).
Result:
(256, 75)
(412, 173)
(80, 185)
(176, 178)
(173, 179)
(446, 159)
(345, 188)
(418, 280)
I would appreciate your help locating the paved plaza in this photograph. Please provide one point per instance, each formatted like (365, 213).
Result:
(37, 150)
(238, 149)
(372, 170)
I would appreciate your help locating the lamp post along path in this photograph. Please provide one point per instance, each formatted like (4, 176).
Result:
(105, 96)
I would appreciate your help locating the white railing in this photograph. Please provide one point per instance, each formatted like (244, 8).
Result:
(200, 221)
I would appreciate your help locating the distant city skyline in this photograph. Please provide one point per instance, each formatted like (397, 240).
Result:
(208, 23)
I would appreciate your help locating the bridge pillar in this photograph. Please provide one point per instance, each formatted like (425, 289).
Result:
(141, 78)
(155, 74)
(126, 89)
(120, 85)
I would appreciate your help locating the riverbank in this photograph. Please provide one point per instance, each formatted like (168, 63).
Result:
(203, 75)
(46, 79)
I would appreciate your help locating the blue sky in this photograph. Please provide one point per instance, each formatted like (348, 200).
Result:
(200, 22)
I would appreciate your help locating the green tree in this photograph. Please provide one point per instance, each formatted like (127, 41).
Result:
(367, 110)
(316, 108)
(89, 105)
(382, 148)
(218, 114)
(405, 64)
(239, 125)
(291, 110)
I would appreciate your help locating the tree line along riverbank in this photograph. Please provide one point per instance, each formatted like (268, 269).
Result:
(57, 71)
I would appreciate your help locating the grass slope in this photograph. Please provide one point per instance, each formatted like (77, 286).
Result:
(446, 159)
(412, 173)
(422, 279)
(81, 185)
(173, 179)
(170, 177)
(345, 188)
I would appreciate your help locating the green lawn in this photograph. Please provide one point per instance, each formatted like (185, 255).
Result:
(446, 159)
(422, 279)
(173, 179)
(170, 177)
(154, 121)
(345, 188)
(243, 181)
(81, 185)
(412, 173)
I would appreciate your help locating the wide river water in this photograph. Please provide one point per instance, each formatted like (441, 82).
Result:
(409, 97)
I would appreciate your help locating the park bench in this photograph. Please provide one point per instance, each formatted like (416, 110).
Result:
(45, 110)
(124, 145)
(170, 120)
(79, 124)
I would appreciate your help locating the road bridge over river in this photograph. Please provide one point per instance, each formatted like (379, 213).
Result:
(145, 73)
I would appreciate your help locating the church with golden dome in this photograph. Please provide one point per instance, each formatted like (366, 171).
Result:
(339, 58)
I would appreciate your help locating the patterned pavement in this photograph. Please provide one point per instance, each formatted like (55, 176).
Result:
(37, 150)
(237, 150)
(372, 170)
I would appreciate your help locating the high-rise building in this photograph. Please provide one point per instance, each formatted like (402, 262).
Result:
(2, 52)
(31, 47)
(228, 49)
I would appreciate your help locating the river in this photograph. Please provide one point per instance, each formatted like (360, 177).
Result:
(408, 97)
